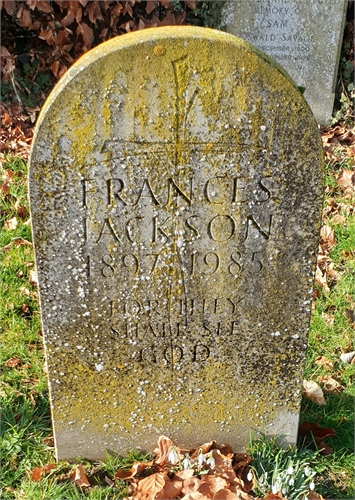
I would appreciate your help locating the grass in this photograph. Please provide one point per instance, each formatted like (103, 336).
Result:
(26, 440)
(291, 470)
(331, 334)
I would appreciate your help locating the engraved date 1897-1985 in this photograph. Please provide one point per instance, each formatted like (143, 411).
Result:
(152, 263)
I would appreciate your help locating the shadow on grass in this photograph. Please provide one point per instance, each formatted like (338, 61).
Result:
(336, 471)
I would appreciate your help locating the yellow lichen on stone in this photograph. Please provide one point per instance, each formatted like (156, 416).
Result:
(159, 50)
(175, 178)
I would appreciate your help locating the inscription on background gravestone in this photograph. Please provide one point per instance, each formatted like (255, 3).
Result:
(304, 36)
(176, 189)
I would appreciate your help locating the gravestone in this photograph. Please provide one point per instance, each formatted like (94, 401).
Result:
(304, 36)
(176, 190)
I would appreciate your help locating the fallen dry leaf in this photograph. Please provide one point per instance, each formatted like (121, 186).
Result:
(321, 280)
(148, 487)
(239, 485)
(195, 495)
(29, 381)
(32, 277)
(346, 180)
(337, 140)
(332, 274)
(151, 5)
(191, 484)
(6, 119)
(172, 489)
(184, 474)
(323, 361)
(313, 392)
(136, 468)
(312, 495)
(218, 480)
(10, 224)
(328, 318)
(225, 495)
(17, 242)
(224, 448)
(78, 477)
(24, 308)
(327, 237)
(32, 393)
(209, 485)
(339, 219)
(330, 385)
(8, 176)
(347, 357)
(350, 314)
(240, 461)
(12, 362)
(109, 481)
(313, 433)
(241, 495)
(87, 34)
(38, 472)
(204, 448)
(273, 496)
(4, 189)
(49, 440)
(224, 461)
(22, 211)
(164, 446)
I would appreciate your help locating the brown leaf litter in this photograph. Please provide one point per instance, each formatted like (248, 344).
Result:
(208, 472)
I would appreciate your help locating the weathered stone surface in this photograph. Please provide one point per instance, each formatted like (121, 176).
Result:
(304, 36)
(176, 189)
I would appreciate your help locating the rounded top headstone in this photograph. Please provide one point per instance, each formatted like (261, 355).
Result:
(175, 189)
(153, 68)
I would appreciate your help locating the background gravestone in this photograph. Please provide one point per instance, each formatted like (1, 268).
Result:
(304, 36)
(176, 190)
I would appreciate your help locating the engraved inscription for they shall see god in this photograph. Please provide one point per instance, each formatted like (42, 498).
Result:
(171, 235)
